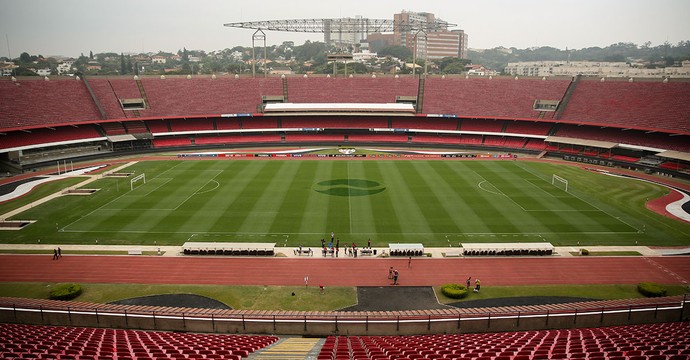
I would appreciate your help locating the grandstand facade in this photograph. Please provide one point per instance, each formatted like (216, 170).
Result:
(641, 124)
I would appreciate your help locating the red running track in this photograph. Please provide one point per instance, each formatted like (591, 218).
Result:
(343, 272)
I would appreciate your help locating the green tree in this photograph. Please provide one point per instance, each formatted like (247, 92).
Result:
(355, 68)
(91, 55)
(452, 65)
(25, 58)
(311, 51)
(396, 51)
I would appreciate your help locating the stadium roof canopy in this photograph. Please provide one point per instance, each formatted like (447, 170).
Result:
(676, 155)
(338, 108)
(581, 142)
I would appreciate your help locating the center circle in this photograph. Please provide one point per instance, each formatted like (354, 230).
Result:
(349, 187)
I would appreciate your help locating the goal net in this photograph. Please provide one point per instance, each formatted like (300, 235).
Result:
(559, 182)
(136, 179)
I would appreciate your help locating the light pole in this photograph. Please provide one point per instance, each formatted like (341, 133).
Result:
(416, 46)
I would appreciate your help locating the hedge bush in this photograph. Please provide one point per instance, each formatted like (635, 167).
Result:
(454, 291)
(584, 252)
(65, 292)
(650, 289)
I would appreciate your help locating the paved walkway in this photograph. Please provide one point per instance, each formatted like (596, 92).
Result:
(436, 253)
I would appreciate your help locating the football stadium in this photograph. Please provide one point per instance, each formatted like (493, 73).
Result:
(396, 193)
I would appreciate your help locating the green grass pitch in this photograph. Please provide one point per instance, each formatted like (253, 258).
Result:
(435, 202)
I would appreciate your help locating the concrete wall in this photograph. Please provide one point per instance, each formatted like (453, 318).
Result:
(332, 325)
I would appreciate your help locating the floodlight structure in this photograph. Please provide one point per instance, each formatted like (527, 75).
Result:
(258, 36)
(339, 25)
(344, 25)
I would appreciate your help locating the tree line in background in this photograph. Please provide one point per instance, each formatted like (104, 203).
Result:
(663, 55)
(310, 57)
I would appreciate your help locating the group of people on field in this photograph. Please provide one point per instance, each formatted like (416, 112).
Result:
(393, 275)
(57, 254)
(333, 247)
(477, 284)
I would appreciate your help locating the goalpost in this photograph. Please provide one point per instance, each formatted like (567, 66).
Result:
(559, 182)
(141, 177)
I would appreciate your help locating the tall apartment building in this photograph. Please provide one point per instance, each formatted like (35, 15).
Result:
(432, 43)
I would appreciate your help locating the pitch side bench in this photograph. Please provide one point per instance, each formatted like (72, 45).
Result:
(412, 249)
(507, 249)
(228, 248)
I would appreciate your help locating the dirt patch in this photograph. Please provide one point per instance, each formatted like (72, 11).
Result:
(80, 191)
(395, 298)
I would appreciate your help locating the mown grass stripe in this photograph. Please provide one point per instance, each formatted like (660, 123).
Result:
(361, 212)
(315, 216)
(268, 197)
(387, 224)
(294, 204)
(405, 206)
(458, 180)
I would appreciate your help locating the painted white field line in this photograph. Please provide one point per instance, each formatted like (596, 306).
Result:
(529, 181)
(197, 190)
(487, 190)
(499, 190)
(587, 202)
(209, 190)
(64, 228)
(136, 194)
(161, 185)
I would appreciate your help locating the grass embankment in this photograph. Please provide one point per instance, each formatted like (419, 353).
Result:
(602, 292)
(310, 299)
(237, 297)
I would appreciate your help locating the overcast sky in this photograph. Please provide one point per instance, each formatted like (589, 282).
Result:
(71, 27)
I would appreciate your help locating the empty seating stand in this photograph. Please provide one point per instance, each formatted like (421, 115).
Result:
(179, 96)
(482, 97)
(653, 341)
(645, 113)
(644, 104)
(36, 102)
(57, 342)
(62, 134)
(349, 90)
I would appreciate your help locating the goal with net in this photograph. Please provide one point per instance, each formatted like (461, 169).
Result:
(559, 182)
(138, 178)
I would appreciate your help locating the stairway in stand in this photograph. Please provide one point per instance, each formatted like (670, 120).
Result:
(290, 348)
